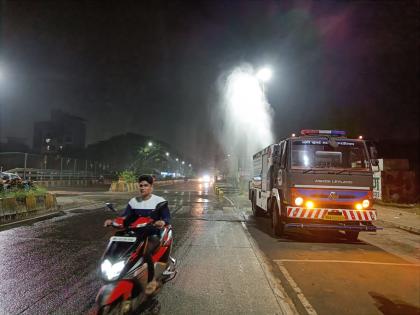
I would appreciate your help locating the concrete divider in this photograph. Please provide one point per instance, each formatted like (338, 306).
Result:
(12, 209)
(66, 182)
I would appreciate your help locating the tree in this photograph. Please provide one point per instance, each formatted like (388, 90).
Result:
(150, 159)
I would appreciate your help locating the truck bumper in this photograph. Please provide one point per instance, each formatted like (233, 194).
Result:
(342, 227)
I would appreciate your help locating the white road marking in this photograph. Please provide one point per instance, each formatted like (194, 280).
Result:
(345, 262)
(308, 307)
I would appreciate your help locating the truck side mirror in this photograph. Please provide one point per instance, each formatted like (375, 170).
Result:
(373, 153)
(375, 165)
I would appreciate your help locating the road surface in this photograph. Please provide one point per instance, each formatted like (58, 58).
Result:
(228, 264)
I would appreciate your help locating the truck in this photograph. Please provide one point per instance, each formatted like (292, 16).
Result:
(319, 180)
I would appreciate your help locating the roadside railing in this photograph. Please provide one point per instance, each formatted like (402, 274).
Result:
(51, 174)
(51, 166)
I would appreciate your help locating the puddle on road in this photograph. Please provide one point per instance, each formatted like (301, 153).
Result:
(396, 307)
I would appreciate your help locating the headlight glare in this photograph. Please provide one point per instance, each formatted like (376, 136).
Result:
(309, 204)
(298, 201)
(112, 271)
(359, 206)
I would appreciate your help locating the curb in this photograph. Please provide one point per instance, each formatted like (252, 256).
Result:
(45, 216)
(410, 229)
(33, 219)
(284, 302)
(396, 205)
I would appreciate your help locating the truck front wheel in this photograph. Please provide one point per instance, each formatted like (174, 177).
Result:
(276, 223)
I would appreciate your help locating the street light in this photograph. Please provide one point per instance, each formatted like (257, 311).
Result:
(264, 74)
(150, 143)
(183, 162)
(177, 159)
(167, 153)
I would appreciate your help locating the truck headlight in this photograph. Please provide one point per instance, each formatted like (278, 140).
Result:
(298, 201)
(359, 206)
(112, 271)
(365, 203)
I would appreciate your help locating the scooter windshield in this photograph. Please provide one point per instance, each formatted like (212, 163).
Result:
(118, 249)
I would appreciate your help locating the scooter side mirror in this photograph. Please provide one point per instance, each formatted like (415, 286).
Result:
(110, 206)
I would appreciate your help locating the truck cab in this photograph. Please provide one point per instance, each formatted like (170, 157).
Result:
(318, 180)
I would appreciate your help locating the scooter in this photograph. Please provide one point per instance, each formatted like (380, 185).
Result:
(124, 270)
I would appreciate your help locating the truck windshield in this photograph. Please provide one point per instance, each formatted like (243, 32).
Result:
(322, 153)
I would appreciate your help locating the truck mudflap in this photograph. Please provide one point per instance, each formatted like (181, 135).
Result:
(342, 227)
(332, 214)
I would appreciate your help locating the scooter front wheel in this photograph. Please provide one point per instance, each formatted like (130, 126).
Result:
(155, 307)
(117, 308)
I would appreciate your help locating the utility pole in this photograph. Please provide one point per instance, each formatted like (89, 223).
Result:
(24, 166)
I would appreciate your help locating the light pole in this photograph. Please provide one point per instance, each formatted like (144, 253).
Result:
(1, 106)
(167, 161)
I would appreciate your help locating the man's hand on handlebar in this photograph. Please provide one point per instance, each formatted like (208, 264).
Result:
(107, 222)
(160, 224)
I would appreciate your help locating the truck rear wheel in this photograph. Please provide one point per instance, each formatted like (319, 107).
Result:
(256, 211)
(352, 235)
(276, 223)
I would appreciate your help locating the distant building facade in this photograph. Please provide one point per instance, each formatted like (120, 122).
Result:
(63, 132)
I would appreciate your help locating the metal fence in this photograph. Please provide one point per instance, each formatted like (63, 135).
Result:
(51, 167)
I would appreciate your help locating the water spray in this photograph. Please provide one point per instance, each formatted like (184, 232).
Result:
(246, 116)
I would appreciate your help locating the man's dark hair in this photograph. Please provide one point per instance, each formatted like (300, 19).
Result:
(146, 178)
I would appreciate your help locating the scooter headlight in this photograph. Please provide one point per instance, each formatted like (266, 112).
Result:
(112, 271)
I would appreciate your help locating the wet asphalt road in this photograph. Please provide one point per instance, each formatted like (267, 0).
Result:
(50, 267)
(323, 273)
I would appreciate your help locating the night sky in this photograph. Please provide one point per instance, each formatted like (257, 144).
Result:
(153, 68)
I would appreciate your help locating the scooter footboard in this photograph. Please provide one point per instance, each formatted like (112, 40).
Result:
(109, 293)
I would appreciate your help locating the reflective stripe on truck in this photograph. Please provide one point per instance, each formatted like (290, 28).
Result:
(323, 213)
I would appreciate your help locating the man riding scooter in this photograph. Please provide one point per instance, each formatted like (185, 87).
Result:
(143, 206)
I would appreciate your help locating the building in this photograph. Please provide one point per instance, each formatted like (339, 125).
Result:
(63, 132)
(14, 144)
